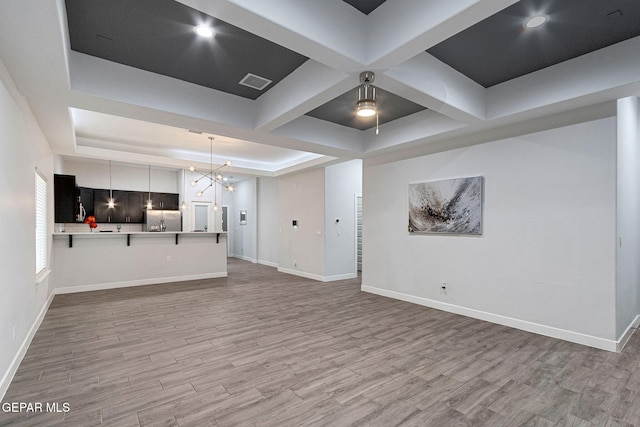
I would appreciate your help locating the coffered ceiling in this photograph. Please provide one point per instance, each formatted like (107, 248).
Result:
(128, 80)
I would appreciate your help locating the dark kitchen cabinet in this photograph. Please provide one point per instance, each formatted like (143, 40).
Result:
(64, 198)
(86, 198)
(167, 201)
(135, 205)
(128, 206)
(101, 209)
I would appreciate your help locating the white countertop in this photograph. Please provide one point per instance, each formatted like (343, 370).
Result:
(138, 233)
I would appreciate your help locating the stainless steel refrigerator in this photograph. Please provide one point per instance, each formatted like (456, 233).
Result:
(161, 220)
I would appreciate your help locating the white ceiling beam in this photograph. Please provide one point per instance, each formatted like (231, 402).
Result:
(308, 87)
(400, 30)
(418, 126)
(40, 71)
(109, 80)
(305, 128)
(429, 82)
(298, 25)
(603, 75)
(56, 123)
(117, 108)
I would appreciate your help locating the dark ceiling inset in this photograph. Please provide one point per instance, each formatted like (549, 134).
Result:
(158, 36)
(365, 6)
(342, 110)
(499, 49)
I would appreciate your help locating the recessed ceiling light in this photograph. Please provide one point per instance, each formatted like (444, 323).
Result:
(536, 21)
(204, 31)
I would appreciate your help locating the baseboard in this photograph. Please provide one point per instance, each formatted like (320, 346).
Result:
(15, 363)
(317, 276)
(627, 334)
(340, 277)
(301, 274)
(143, 282)
(245, 258)
(537, 328)
(268, 263)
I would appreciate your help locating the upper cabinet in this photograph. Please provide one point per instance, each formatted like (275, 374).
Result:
(85, 197)
(167, 201)
(64, 196)
(129, 206)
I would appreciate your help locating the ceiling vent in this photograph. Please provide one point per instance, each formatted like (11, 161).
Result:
(255, 82)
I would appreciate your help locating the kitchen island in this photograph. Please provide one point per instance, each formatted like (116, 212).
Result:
(86, 261)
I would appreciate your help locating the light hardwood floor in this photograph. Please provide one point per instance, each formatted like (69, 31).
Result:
(261, 348)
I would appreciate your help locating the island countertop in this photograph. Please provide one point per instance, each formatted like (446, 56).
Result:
(87, 261)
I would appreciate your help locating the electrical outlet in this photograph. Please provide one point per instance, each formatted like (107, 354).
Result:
(444, 287)
(14, 332)
(295, 263)
(168, 259)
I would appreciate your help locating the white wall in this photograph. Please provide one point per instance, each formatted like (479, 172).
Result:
(628, 215)
(244, 236)
(23, 148)
(546, 260)
(342, 183)
(268, 211)
(151, 258)
(301, 249)
(130, 177)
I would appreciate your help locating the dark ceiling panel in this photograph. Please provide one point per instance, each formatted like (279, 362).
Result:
(365, 6)
(499, 49)
(158, 36)
(342, 110)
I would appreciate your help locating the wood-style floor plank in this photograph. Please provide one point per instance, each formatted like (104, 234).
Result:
(261, 348)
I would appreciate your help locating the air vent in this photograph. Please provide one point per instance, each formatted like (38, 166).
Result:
(197, 132)
(255, 82)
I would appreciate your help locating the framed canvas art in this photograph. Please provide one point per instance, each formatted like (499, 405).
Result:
(450, 206)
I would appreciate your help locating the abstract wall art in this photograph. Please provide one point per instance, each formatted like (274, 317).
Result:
(452, 206)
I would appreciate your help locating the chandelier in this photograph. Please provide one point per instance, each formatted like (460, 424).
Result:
(212, 177)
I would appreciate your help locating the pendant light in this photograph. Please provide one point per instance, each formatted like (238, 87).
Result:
(149, 202)
(111, 203)
(184, 191)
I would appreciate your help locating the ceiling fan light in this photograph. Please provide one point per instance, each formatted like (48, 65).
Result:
(366, 108)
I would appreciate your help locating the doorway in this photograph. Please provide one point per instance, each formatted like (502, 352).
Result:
(225, 226)
(359, 233)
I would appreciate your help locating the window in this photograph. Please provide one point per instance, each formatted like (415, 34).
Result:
(41, 223)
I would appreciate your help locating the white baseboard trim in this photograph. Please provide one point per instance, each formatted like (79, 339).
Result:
(142, 282)
(340, 277)
(317, 276)
(268, 263)
(537, 328)
(15, 363)
(301, 274)
(627, 334)
(245, 258)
